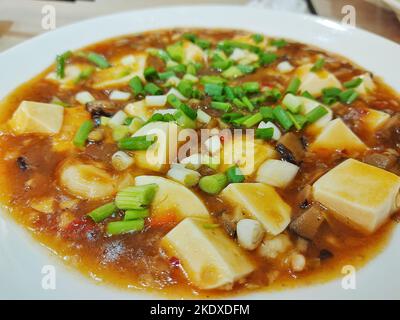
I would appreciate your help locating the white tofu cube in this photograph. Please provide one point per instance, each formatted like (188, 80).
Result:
(84, 97)
(277, 173)
(337, 136)
(285, 67)
(374, 119)
(37, 117)
(213, 144)
(119, 95)
(209, 258)
(308, 105)
(261, 202)
(359, 194)
(367, 85)
(314, 82)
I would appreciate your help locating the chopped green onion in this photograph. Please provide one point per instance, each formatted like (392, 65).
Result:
(282, 117)
(298, 120)
(267, 113)
(235, 175)
(220, 63)
(257, 37)
(134, 214)
(153, 89)
(103, 212)
(273, 94)
(136, 143)
(232, 72)
(318, 65)
(213, 184)
(136, 85)
(84, 74)
(185, 87)
(292, 102)
(253, 120)
(179, 68)
(316, 114)
(212, 89)
(210, 225)
(60, 63)
(176, 52)
(229, 117)
(279, 43)
(238, 92)
(348, 96)
(239, 121)
(247, 103)
(267, 58)
(136, 197)
(294, 86)
(353, 83)
(308, 95)
(203, 117)
(264, 133)
(251, 87)
(222, 106)
(212, 79)
(166, 75)
(229, 93)
(192, 114)
(150, 73)
(174, 101)
(238, 103)
(98, 60)
(246, 68)
(331, 92)
(184, 121)
(83, 133)
(120, 132)
(121, 227)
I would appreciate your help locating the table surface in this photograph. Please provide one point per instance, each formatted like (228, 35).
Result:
(21, 19)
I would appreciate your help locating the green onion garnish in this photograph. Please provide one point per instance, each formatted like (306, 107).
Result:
(213, 89)
(212, 79)
(353, 83)
(331, 92)
(98, 60)
(308, 95)
(246, 68)
(251, 87)
(134, 214)
(318, 65)
(213, 184)
(60, 63)
(150, 73)
(121, 227)
(316, 114)
(279, 43)
(238, 103)
(83, 133)
(239, 121)
(184, 121)
(103, 212)
(348, 96)
(292, 102)
(185, 87)
(136, 197)
(267, 58)
(153, 89)
(257, 37)
(191, 113)
(267, 113)
(232, 72)
(175, 51)
(136, 85)
(253, 120)
(264, 133)
(166, 75)
(230, 95)
(293, 86)
(229, 117)
(136, 143)
(298, 120)
(282, 117)
(248, 103)
(222, 106)
(179, 68)
(235, 175)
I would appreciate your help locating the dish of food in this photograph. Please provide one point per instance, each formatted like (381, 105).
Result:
(199, 162)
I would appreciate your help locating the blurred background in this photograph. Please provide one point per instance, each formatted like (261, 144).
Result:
(22, 19)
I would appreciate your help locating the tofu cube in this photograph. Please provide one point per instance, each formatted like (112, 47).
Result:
(314, 82)
(337, 136)
(359, 194)
(367, 85)
(277, 173)
(247, 154)
(261, 202)
(208, 256)
(308, 105)
(374, 119)
(37, 117)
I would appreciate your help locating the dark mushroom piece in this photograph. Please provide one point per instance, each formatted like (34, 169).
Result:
(290, 148)
(102, 108)
(384, 160)
(308, 223)
(22, 164)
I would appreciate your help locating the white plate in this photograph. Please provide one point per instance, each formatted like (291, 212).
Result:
(22, 259)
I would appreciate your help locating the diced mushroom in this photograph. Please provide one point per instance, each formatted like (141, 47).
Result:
(250, 233)
(381, 160)
(290, 148)
(309, 222)
(102, 108)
